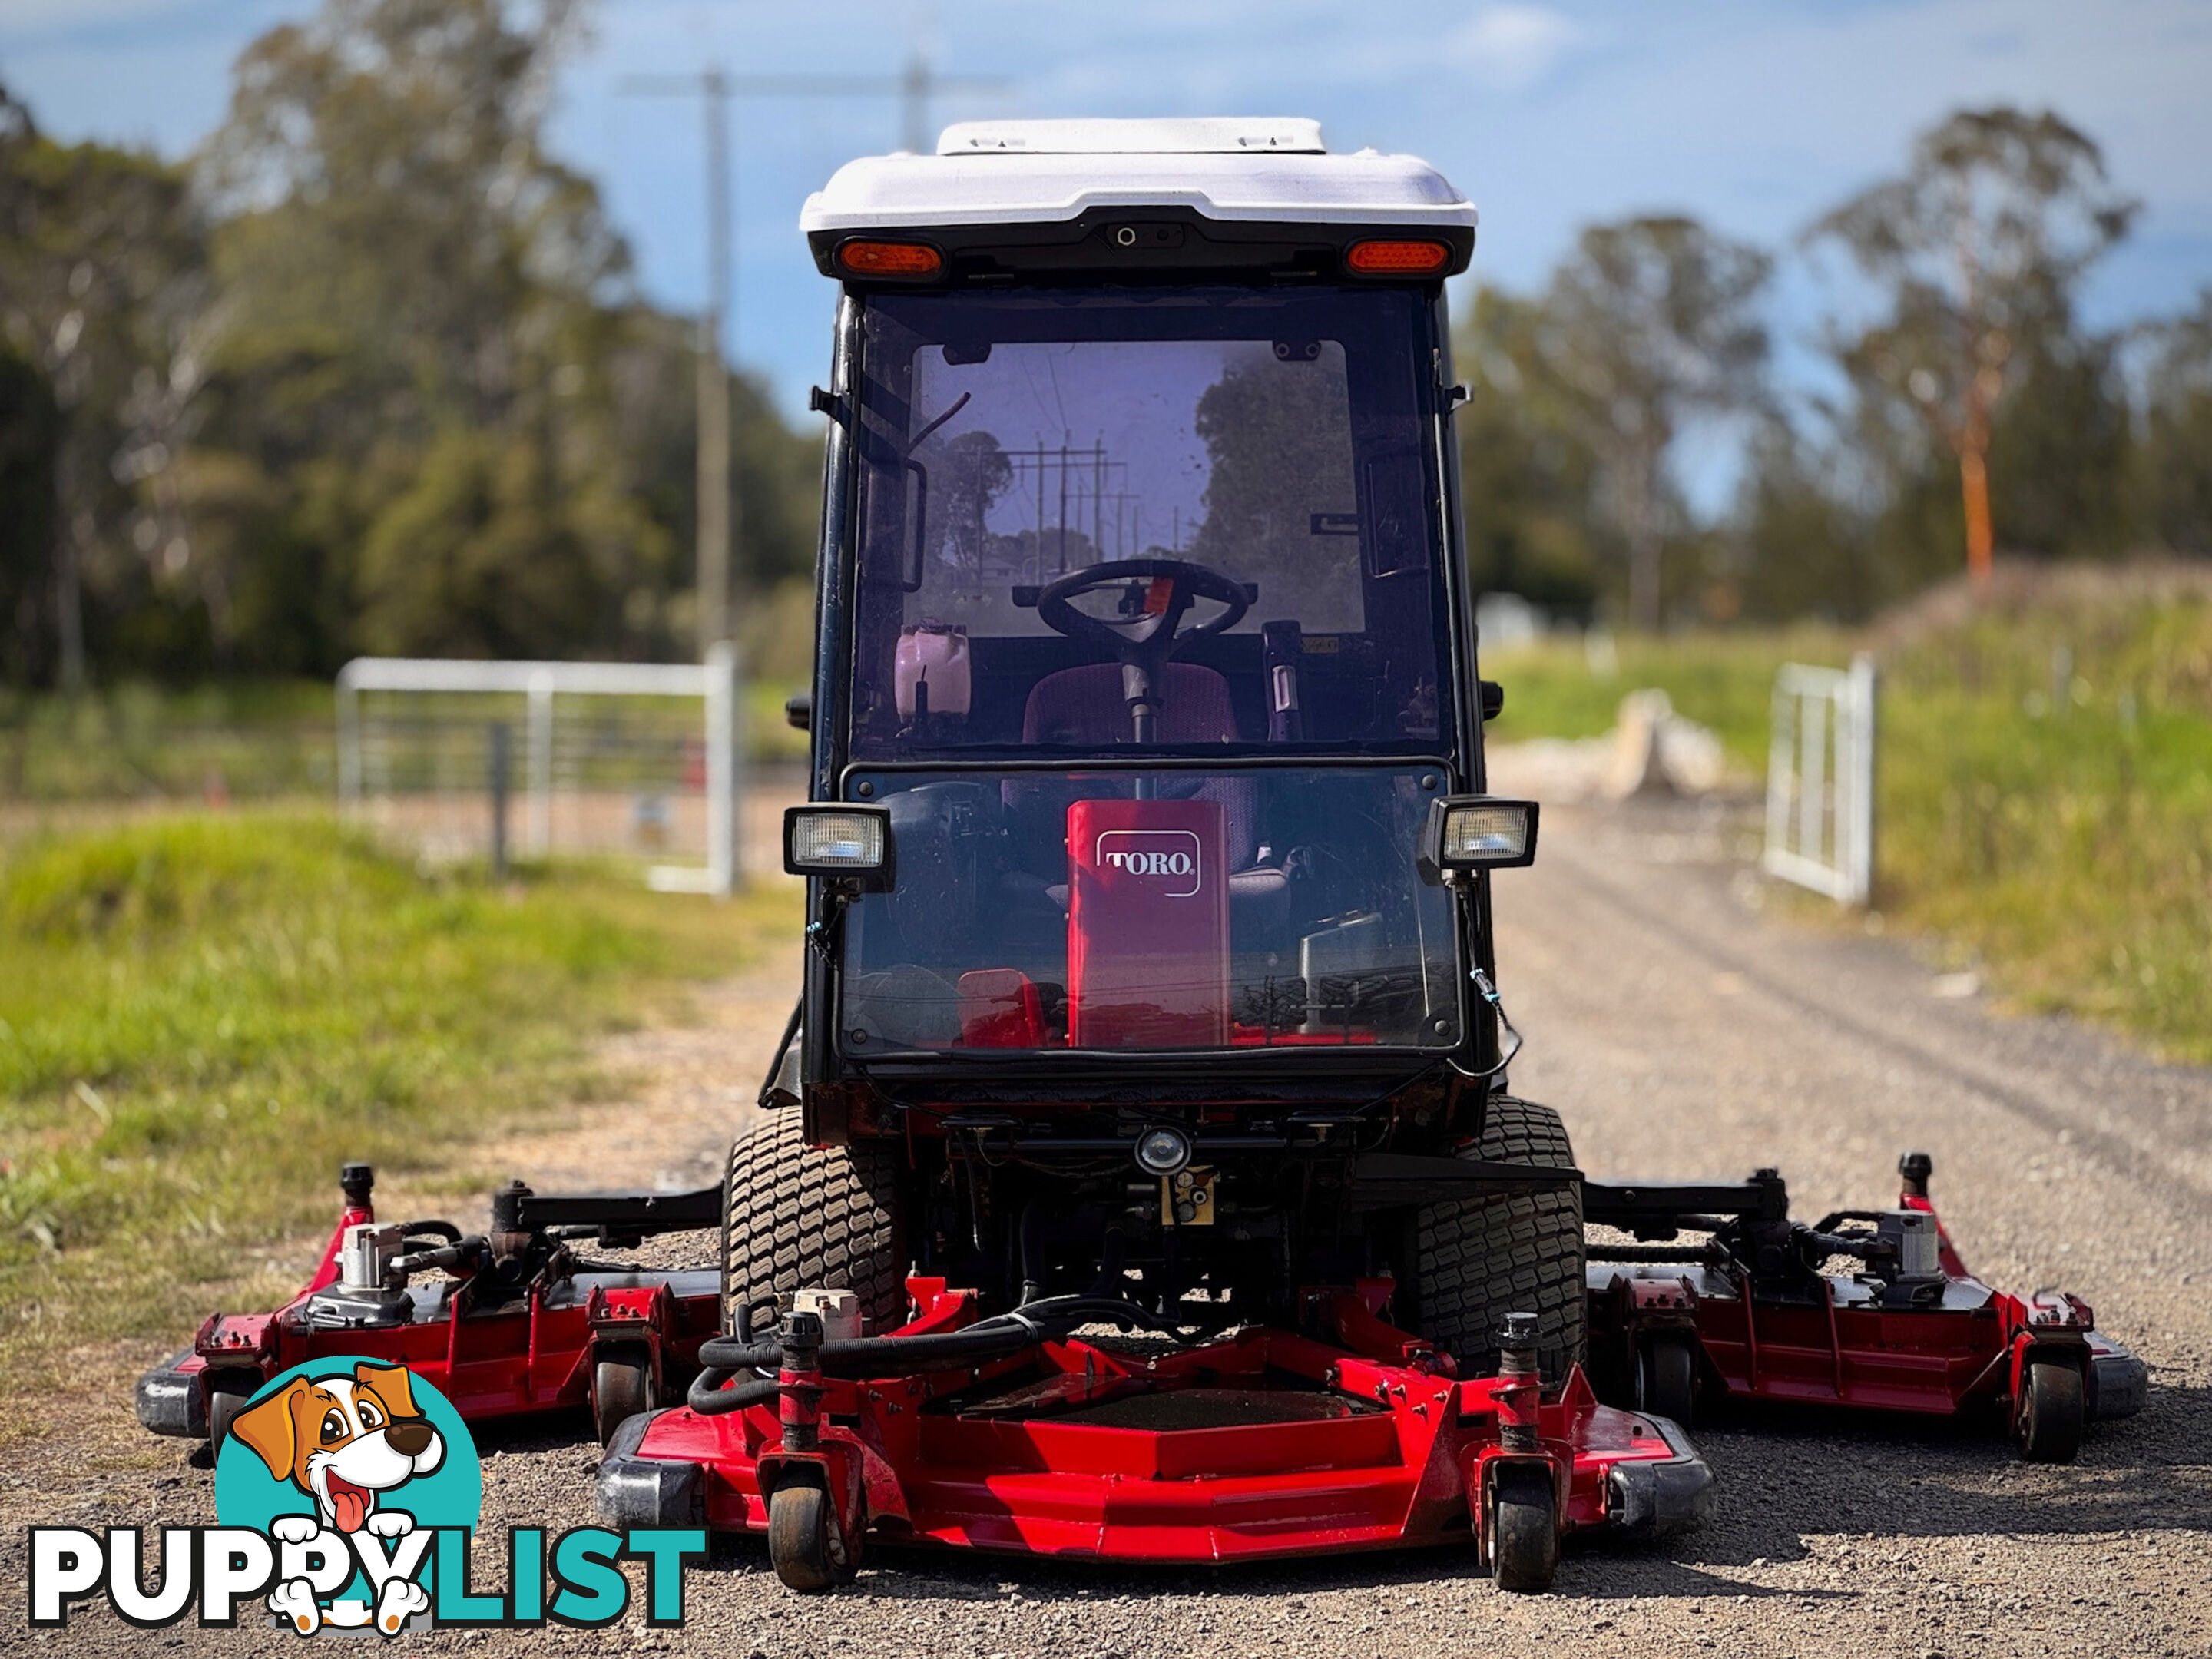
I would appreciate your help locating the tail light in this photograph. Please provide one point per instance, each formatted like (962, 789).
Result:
(910, 262)
(1396, 259)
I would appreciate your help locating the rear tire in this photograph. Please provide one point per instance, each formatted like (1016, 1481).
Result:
(2047, 1422)
(1666, 1380)
(223, 1407)
(622, 1387)
(796, 1218)
(1476, 1259)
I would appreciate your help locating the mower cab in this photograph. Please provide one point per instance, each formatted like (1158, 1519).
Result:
(1147, 746)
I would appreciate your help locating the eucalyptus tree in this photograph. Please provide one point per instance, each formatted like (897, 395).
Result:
(1650, 324)
(1977, 250)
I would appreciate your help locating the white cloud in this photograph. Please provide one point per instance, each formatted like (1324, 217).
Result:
(1511, 46)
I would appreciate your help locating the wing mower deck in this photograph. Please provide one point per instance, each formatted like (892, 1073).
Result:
(1749, 1313)
(506, 1324)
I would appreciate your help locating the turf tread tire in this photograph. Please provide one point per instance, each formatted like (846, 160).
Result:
(796, 1217)
(1475, 1260)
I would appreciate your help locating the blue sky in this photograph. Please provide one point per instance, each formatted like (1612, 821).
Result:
(1754, 114)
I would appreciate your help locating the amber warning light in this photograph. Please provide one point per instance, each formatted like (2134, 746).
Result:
(906, 259)
(1397, 258)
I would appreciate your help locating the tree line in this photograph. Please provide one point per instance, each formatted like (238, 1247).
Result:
(366, 372)
(1969, 412)
(369, 372)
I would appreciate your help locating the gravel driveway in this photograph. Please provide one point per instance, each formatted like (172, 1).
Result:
(1683, 1032)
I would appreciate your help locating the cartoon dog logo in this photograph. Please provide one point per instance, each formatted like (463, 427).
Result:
(345, 1440)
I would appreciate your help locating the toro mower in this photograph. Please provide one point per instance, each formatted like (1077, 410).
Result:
(1144, 1185)
(1141, 1180)
(509, 1323)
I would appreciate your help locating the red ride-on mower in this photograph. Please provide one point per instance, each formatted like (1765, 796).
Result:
(508, 1323)
(1750, 1314)
(1144, 1185)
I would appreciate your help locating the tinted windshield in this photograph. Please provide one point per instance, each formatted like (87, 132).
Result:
(1276, 907)
(1231, 485)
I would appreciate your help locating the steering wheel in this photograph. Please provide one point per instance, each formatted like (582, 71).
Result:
(1145, 632)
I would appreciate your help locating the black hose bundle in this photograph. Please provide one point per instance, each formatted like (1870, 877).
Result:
(1000, 1337)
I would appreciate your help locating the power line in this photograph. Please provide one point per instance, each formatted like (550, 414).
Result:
(915, 86)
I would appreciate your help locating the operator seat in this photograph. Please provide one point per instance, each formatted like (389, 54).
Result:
(1083, 707)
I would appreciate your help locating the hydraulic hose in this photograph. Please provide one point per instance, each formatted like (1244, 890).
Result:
(998, 1338)
(463, 1255)
(708, 1399)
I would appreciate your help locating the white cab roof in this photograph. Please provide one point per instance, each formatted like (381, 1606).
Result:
(1006, 173)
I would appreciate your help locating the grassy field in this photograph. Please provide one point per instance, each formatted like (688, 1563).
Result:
(1560, 687)
(2046, 776)
(201, 1017)
(137, 742)
(243, 742)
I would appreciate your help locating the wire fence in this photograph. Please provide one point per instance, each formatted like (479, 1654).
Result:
(599, 760)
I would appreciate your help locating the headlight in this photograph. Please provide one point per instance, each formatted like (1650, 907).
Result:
(852, 841)
(1476, 832)
(1163, 1151)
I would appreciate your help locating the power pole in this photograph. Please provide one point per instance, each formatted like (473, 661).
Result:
(717, 507)
(715, 510)
(714, 87)
(919, 82)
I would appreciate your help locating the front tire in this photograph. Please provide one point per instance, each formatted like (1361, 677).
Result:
(1476, 1259)
(799, 1522)
(797, 1218)
(1524, 1528)
(2047, 1422)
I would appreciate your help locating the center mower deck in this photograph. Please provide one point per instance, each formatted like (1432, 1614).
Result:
(1351, 1435)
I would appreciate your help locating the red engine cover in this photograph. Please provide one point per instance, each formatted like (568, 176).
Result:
(1148, 925)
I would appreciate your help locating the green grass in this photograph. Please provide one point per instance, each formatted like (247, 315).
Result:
(2058, 824)
(251, 741)
(201, 1017)
(769, 733)
(2046, 776)
(1561, 688)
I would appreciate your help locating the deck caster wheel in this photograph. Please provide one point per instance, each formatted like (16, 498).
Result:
(622, 1387)
(224, 1404)
(2046, 1424)
(799, 1546)
(1524, 1528)
(1666, 1380)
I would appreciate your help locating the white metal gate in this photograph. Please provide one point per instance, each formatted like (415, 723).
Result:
(628, 772)
(1819, 780)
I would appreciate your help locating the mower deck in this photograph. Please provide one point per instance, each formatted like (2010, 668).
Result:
(514, 1325)
(1749, 1313)
(1269, 1444)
